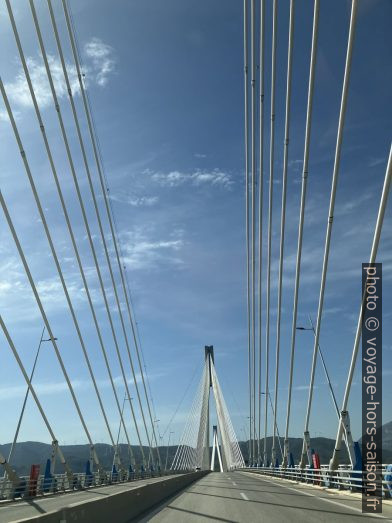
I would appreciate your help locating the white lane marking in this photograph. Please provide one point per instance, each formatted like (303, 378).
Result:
(323, 499)
(234, 483)
(244, 496)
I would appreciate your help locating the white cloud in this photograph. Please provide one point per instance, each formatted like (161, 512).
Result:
(99, 65)
(4, 115)
(374, 162)
(142, 251)
(349, 206)
(102, 57)
(18, 89)
(48, 388)
(215, 177)
(135, 201)
(16, 293)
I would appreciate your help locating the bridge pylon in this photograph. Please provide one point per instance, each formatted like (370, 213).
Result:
(194, 449)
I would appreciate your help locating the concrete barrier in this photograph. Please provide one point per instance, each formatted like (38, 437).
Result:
(120, 507)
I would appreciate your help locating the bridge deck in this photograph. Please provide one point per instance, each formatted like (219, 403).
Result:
(238, 497)
(20, 510)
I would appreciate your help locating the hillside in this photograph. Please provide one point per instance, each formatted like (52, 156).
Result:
(29, 452)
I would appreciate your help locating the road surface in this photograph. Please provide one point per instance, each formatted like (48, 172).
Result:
(240, 497)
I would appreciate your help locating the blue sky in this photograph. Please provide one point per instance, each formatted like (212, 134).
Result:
(166, 85)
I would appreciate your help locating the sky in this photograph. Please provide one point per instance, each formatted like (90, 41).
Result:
(165, 82)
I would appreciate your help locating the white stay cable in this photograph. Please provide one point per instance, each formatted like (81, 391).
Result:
(221, 423)
(271, 184)
(227, 425)
(202, 432)
(339, 139)
(225, 428)
(185, 435)
(47, 325)
(260, 225)
(233, 437)
(85, 220)
(283, 216)
(64, 208)
(238, 460)
(105, 197)
(85, 161)
(246, 136)
(312, 73)
(194, 426)
(54, 254)
(372, 259)
(253, 217)
(33, 393)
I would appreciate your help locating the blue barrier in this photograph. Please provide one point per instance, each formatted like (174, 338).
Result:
(89, 475)
(114, 473)
(48, 477)
(357, 483)
(388, 479)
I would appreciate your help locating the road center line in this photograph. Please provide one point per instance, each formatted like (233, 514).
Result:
(234, 483)
(244, 496)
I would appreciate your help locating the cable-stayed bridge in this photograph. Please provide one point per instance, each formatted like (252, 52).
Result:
(210, 474)
(193, 451)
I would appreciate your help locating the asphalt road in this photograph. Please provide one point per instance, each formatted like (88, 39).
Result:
(238, 497)
(11, 512)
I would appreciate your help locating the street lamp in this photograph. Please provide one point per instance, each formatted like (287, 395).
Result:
(122, 416)
(41, 341)
(116, 450)
(167, 450)
(276, 424)
(323, 363)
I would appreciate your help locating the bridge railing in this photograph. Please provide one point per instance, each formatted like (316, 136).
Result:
(342, 478)
(28, 488)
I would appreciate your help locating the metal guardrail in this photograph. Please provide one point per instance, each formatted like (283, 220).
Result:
(61, 483)
(342, 478)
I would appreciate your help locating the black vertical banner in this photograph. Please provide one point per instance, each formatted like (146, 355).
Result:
(372, 387)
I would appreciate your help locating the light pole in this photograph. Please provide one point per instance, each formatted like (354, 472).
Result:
(167, 450)
(122, 417)
(119, 428)
(41, 341)
(276, 424)
(324, 365)
(151, 439)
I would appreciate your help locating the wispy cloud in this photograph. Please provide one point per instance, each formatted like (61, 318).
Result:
(349, 206)
(18, 89)
(135, 201)
(16, 292)
(143, 250)
(4, 115)
(216, 177)
(102, 57)
(48, 388)
(100, 63)
(373, 162)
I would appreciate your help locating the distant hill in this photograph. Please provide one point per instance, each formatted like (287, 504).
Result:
(386, 436)
(325, 446)
(32, 452)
